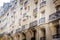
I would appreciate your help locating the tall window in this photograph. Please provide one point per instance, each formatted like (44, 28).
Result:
(42, 0)
(35, 13)
(24, 15)
(57, 35)
(57, 31)
(7, 14)
(19, 22)
(43, 13)
(0, 21)
(58, 8)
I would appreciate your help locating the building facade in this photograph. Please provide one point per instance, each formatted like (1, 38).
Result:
(30, 20)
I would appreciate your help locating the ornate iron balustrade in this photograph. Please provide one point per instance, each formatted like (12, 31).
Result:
(54, 16)
(42, 20)
(18, 30)
(42, 4)
(32, 24)
(23, 27)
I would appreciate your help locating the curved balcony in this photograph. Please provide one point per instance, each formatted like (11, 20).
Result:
(33, 24)
(54, 16)
(42, 4)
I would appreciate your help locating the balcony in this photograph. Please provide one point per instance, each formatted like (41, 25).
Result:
(54, 16)
(18, 30)
(42, 4)
(42, 20)
(32, 24)
(23, 27)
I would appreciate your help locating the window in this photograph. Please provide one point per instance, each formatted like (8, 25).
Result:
(11, 32)
(15, 2)
(10, 5)
(28, 8)
(25, 7)
(36, 2)
(43, 13)
(27, 17)
(0, 21)
(42, 20)
(14, 12)
(42, 0)
(21, 8)
(42, 3)
(57, 31)
(12, 16)
(7, 14)
(24, 14)
(12, 26)
(21, 2)
(19, 22)
(26, 2)
(24, 20)
(54, 1)
(33, 24)
(35, 13)
(12, 8)
(58, 8)
(23, 27)
(57, 35)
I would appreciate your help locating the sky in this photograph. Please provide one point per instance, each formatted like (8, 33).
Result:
(2, 1)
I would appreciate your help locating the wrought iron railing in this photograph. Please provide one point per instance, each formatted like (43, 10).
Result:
(32, 24)
(42, 20)
(42, 4)
(54, 16)
(18, 30)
